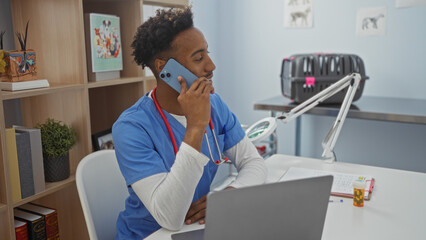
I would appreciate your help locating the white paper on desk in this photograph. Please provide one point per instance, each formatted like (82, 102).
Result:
(342, 182)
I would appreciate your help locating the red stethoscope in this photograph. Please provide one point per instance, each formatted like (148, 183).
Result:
(172, 137)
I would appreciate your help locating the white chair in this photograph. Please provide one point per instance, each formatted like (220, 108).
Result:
(102, 192)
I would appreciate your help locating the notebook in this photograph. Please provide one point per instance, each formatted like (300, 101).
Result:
(342, 184)
(293, 209)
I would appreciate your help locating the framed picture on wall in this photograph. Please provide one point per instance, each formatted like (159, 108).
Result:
(103, 140)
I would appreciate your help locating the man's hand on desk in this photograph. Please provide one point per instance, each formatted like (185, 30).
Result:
(197, 210)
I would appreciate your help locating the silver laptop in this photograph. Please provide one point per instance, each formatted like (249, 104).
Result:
(285, 210)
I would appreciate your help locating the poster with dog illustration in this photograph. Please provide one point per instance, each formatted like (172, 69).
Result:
(298, 14)
(371, 21)
(105, 42)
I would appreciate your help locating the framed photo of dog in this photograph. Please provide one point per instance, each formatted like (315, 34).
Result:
(105, 53)
(103, 140)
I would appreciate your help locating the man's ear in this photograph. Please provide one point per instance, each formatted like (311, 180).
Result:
(159, 64)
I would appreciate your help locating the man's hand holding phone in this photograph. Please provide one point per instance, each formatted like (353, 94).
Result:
(195, 103)
(194, 99)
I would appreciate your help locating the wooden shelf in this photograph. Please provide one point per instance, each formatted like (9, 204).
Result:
(119, 81)
(39, 91)
(50, 188)
(3, 207)
(167, 3)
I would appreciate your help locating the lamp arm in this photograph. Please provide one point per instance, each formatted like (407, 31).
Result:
(330, 139)
(352, 80)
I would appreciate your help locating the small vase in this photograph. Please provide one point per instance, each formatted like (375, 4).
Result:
(56, 168)
(20, 65)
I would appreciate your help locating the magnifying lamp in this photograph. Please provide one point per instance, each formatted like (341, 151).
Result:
(265, 127)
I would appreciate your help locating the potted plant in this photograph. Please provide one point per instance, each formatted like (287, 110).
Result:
(57, 139)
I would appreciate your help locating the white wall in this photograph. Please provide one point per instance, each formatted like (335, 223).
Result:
(6, 24)
(248, 43)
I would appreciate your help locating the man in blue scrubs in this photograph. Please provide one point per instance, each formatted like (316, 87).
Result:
(160, 141)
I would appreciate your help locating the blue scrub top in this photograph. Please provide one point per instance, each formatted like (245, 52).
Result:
(143, 148)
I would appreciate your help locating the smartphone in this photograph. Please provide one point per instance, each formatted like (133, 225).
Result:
(172, 70)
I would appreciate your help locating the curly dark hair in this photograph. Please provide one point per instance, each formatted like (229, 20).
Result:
(155, 35)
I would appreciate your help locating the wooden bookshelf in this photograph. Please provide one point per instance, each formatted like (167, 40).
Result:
(167, 3)
(56, 32)
(119, 81)
(40, 91)
(50, 188)
(3, 207)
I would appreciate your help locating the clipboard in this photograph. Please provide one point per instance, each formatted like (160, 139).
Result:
(342, 182)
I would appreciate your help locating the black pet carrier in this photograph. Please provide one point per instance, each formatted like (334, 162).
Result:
(304, 75)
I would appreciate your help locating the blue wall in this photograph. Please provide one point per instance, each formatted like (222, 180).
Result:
(248, 42)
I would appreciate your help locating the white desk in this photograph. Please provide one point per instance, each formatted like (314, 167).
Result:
(397, 209)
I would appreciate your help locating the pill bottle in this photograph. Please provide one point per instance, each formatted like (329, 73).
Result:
(359, 189)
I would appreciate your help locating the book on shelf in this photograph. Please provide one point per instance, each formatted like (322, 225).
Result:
(21, 230)
(35, 224)
(12, 156)
(50, 217)
(36, 156)
(103, 46)
(99, 76)
(23, 147)
(25, 85)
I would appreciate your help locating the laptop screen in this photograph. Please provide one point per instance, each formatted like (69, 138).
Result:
(292, 210)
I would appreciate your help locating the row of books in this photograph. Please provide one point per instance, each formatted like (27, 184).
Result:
(35, 222)
(25, 156)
